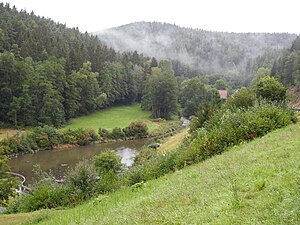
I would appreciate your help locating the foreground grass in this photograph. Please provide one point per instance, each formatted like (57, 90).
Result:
(254, 183)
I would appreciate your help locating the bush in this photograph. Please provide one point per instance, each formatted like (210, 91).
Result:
(82, 179)
(85, 137)
(269, 88)
(136, 129)
(117, 133)
(7, 182)
(103, 133)
(243, 98)
(45, 137)
(108, 165)
(43, 196)
(107, 161)
(145, 155)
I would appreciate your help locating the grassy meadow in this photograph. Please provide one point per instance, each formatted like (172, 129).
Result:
(120, 116)
(253, 183)
(116, 116)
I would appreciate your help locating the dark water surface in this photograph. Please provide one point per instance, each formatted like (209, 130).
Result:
(59, 160)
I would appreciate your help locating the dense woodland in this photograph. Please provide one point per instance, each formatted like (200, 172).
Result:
(287, 67)
(195, 51)
(50, 73)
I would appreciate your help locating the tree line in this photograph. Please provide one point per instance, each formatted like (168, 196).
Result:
(287, 66)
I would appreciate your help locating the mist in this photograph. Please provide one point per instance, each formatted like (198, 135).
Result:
(200, 50)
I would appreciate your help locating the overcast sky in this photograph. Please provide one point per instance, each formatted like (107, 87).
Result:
(216, 15)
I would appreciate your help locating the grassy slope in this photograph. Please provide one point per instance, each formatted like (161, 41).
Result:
(117, 116)
(255, 183)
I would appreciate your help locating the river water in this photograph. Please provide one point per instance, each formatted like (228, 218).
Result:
(59, 160)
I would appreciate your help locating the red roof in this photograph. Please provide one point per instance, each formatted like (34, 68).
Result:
(223, 94)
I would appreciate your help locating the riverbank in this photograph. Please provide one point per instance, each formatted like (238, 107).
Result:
(255, 182)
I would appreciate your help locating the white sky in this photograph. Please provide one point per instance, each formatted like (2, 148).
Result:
(216, 15)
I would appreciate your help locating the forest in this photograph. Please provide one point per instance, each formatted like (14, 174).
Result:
(50, 73)
(199, 52)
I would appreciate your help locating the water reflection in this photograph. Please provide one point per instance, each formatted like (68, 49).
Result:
(58, 161)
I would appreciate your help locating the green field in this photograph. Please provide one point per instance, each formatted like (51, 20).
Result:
(121, 116)
(117, 116)
(254, 183)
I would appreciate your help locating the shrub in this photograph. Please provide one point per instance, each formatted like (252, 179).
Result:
(145, 155)
(243, 98)
(43, 196)
(107, 164)
(117, 133)
(7, 183)
(45, 137)
(82, 179)
(136, 129)
(69, 136)
(103, 133)
(85, 137)
(107, 161)
(271, 89)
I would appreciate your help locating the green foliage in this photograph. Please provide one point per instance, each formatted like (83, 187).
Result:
(43, 196)
(103, 133)
(46, 137)
(161, 90)
(193, 93)
(243, 98)
(107, 161)
(108, 164)
(205, 111)
(271, 89)
(117, 133)
(82, 180)
(136, 129)
(145, 155)
(221, 84)
(85, 136)
(286, 67)
(223, 130)
(7, 183)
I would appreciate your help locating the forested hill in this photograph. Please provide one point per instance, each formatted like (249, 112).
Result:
(203, 51)
(39, 38)
(287, 67)
(50, 73)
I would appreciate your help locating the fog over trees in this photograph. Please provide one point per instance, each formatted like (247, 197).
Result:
(202, 51)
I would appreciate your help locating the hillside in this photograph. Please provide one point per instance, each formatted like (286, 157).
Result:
(254, 183)
(50, 73)
(203, 51)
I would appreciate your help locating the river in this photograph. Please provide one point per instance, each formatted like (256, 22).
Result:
(59, 160)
